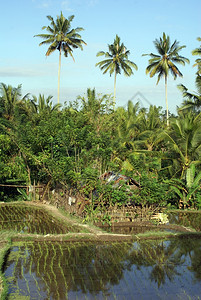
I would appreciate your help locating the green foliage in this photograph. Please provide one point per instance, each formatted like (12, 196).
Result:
(116, 60)
(24, 195)
(108, 195)
(190, 174)
(61, 37)
(3, 255)
(163, 63)
(147, 161)
(72, 146)
(152, 191)
(91, 214)
(189, 195)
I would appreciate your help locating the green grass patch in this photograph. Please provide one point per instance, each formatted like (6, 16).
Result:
(152, 234)
(3, 283)
(166, 235)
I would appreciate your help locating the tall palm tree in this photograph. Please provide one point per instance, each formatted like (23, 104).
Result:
(197, 51)
(164, 62)
(61, 37)
(116, 60)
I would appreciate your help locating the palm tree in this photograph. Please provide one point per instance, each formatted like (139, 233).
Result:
(127, 121)
(116, 60)
(61, 37)
(192, 100)
(197, 51)
(164, 62)
(44, 105)
(150, 125)
(184, 142)
(10, 98)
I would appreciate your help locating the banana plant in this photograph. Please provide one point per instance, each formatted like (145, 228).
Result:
(187, 190)
(193, 184)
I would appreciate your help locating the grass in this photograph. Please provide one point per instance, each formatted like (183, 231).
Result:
(79, 221)
(165, 234)
(152, 234)
(3, 283)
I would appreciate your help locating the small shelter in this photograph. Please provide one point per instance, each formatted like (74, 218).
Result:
(116, 179)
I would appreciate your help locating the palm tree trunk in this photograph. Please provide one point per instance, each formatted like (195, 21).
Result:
(166, 102)
(114, 99)
(59, 71)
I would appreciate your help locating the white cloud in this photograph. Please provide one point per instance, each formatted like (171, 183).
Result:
(44, 4)
(65, 5)
(92, 2)
(28, 71)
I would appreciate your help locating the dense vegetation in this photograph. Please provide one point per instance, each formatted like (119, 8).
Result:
(72, 145)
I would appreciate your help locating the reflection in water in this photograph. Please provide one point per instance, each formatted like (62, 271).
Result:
(31, 220)
(130, 229)
(189, 219)
(147, 269)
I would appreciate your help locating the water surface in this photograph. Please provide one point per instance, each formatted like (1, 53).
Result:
(141, 270)
(26, 219)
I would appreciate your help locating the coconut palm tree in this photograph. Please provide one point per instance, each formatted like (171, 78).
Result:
(61, 37)
(184, 142)
(164, 62)
(44, 105)
(192, 100)
(116, 60)
(150, 124)
(197, 51)
(10, 98)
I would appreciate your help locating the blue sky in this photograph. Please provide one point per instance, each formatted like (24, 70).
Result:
(137, 22)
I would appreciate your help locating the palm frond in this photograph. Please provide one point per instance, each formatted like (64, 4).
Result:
(61, 33)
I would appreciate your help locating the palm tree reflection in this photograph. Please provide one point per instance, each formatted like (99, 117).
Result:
(161, 256)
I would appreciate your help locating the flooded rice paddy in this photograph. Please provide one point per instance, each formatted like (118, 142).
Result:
(188, 219)
(139, 270)
(26, 219)
(144, 269)
(175, 221)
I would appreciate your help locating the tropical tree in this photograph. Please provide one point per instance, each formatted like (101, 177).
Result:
(44, 105)
(116, 60)
(150, 124)
(164, 62)
(192, 100)
(96, 110)
(10, 98)
(197, 51)
(184, 143)
(61, 37)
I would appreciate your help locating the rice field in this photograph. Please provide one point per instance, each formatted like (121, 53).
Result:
(80, 270)
(146, 269)
(186, 218)
(26, 219)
